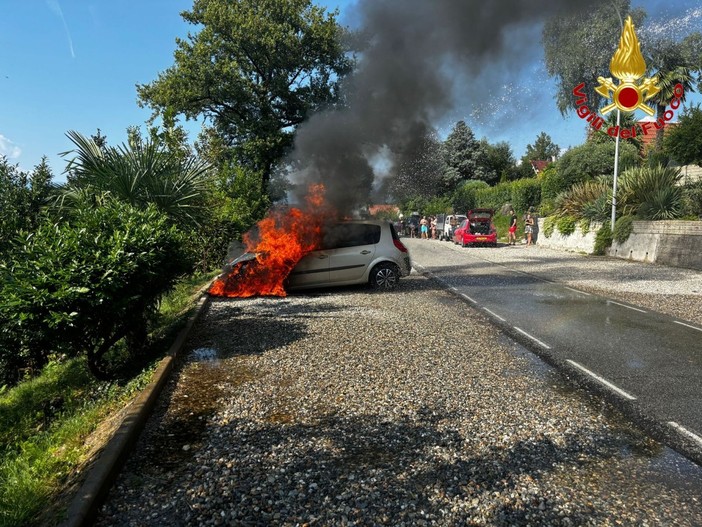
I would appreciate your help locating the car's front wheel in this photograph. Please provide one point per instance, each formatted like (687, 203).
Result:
(384, 276)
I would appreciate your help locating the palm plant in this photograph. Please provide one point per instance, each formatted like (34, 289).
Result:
(140, 175)
(651, 193)
(588, 199)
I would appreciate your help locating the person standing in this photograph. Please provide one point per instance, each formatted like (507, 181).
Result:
(512, 231)
(424, 228)
(529, 228)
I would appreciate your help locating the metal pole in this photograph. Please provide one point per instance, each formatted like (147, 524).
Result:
(616, 172)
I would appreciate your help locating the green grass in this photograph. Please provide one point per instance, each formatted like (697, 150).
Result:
(44, 421)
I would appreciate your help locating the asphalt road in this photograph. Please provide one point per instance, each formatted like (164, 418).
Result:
(647, 363)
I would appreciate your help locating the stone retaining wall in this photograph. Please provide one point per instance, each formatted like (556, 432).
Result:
(674, 243)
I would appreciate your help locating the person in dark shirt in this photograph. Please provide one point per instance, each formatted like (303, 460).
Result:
(512, 231)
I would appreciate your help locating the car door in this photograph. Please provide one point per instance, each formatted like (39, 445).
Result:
(311, 270)
(353, 252)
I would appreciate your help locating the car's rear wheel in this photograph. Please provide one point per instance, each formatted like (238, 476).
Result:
(384, 276)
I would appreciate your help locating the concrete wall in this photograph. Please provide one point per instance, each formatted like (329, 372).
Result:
(576, 242)
(674, 243)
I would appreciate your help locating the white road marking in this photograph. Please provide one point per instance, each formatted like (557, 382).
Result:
(602, 380)
(532, 338)
(494, 314)
(686, 432)
(468, 298)
(687, 325)
(576, 291)
(624, 305)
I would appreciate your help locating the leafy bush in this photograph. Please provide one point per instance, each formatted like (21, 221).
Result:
(588, 199)
(593, 159)
(692, 199)
(651, 193)
(603, 239)
(552, 183)
(464, 199)
(494, 197)
(81, 287)
(549, 225)
(566, 225)
(526, 193)
(623, 228)
(584, 226)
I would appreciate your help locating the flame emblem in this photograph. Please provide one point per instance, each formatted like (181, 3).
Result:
(628, 66)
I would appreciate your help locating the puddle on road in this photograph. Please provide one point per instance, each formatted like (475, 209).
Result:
(665, 465)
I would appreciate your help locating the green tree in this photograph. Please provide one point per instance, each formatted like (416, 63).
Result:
(462, 154)
(142, 174)
(543, 149)
(594, 159)
(497, 161)
(579, 49)
(684, 142)
(22, 198)
(672, 62)
(255, 70)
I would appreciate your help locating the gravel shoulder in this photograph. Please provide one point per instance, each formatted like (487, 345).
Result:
(346, 407)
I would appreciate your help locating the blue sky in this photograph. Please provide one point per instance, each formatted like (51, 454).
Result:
(73, 65)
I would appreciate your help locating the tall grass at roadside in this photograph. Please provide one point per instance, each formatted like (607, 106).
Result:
(44, 421)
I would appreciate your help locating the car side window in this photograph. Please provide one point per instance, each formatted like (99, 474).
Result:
(350, 235)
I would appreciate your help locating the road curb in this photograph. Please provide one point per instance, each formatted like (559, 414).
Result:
(104, 469)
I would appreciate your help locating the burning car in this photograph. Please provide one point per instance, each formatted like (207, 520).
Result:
(477, 229)
(353, 252)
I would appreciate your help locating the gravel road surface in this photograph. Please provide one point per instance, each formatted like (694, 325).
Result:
(348, 407)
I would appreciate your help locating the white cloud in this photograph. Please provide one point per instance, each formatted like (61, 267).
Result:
(8, 148)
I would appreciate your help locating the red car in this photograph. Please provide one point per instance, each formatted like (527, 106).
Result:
(477, 229)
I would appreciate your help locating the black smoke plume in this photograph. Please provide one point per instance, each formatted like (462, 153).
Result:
(405, 82)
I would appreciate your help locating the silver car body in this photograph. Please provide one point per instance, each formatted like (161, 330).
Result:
(351, 256)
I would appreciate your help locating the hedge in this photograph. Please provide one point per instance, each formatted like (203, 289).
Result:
(80, 286)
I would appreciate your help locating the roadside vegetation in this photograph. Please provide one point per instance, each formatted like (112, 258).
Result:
(97, 273)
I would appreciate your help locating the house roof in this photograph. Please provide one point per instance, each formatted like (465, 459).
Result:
(539, 165)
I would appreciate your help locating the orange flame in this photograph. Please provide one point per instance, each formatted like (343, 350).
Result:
(628, 63)
(284, 238)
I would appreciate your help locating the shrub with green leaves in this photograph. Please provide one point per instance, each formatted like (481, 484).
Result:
(494, 197)
(552, 183)
(623, 227)
(651, 193)
(692, 199)
(566, 225)
(584, 226)
(465, 197)
(603, 239)
(588, 199)
(549, 225)
(526, 193)
(81, 286)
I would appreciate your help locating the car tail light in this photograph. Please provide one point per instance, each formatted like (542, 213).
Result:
(399, 245)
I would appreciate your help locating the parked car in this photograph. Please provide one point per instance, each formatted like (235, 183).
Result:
(477, 229)
(451, 223)
(354, 252)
